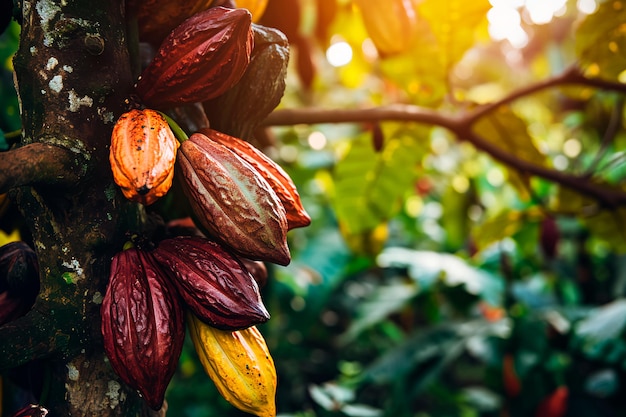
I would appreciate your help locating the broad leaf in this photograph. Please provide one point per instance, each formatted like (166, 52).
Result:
(369, 186)
(601, 40)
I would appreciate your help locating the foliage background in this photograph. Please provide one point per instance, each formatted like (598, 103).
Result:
(434, 280)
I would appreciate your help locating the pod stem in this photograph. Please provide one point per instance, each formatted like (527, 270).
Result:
(178, 131)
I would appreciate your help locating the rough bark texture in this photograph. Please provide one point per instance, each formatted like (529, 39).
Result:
(73, 73)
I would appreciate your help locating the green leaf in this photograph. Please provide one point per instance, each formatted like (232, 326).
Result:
(427, 267)
(601, 40)
(508, 131)
(369, 186)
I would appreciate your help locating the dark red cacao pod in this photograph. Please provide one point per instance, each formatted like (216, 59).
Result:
(12, 307)
(199, 60)
(549, 236)
(142, 324)
(232, 201)
(31, 410)
(19, 270)
(257, 269)
(277, 178)
(242, 108)
(213, 283)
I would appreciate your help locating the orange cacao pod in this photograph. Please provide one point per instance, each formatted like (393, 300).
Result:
(277, 178)
(157, 18)
(142, 155)
(232, 201)
(212, 282)
(241, 109)
(390, 24)
(142, 324)
(199, 60)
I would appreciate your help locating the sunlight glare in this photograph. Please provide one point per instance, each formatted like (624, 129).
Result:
(587, 6)
(339, 54)
(317, 140)
(542, 11)
(505, 23)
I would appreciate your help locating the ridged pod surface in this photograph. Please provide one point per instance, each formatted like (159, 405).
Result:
(213, 283)
(255, 7)
(232, 201)
(142, 324)
(202, 58)
(142, 155)
(157, 18)
(277, 178)
(241, 109)
(390, 24)
(240, 365)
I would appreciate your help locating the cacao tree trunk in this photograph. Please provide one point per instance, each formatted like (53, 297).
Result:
(73, 75)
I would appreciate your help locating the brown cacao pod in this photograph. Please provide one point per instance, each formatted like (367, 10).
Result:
(232, 201)
(142, 155)
(142, 324)
(213, 283)
(199, 60)
(277, 178)
(390, 24)
(241, 109)
(240, 365)
(157, 18)
(257, 269)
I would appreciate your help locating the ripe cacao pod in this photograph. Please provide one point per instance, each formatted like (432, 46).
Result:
(242, 108)
(277, 178)
(240, 365)
(157, 18)
(213, 283)
(199, 60)
(31, 410)
(255, 7)
(555, 404)
(142, 155)
(390, 24)
(232, 201)
(142, 324)
(257, 269)
(19, 280)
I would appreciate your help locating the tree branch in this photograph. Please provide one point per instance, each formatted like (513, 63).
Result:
(461, 125)
(43, 332)
(38, 163)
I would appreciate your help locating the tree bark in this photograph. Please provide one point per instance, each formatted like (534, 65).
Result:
(73, 75)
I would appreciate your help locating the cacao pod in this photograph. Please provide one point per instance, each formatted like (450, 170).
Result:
(257, 269)
(232, 201)
(255, 7)
(157, 18)
(19, 280)
(390, 24)
(240, 365)
(199, 60)
(142, 324)
(214, 284)
(555, 404)
(510, 379)
(19, 270)
(277, 178)
(31, 410)
(241, 109)
(142, 155)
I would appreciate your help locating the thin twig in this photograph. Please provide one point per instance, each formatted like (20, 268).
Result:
(615, 123)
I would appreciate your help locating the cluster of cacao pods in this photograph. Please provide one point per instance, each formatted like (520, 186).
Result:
(143, 320)
(243, 203)
(19, 280)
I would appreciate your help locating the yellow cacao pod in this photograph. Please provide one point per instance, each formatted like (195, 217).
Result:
(240, 365)
(255, 7)
(142, 155)
(390, 24)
